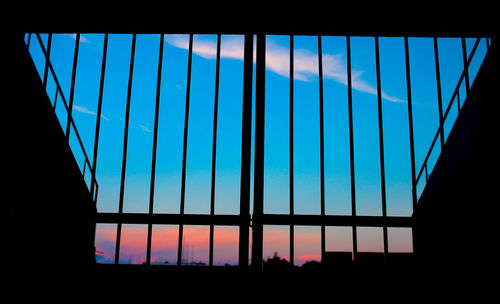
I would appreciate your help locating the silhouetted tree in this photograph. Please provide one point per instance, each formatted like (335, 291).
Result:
(276, 264)
(311, 266)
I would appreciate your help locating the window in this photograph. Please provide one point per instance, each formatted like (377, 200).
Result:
(320, 95)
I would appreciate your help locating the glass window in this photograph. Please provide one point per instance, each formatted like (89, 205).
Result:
(400, 239)
(171, 125)
(110, 152)
(200, 129)
(276, 242)
(195, 245)
(424, 102)
(338, 239)
(229, 123)
(164, 239)
(306, 142)
(277, 126)
(365, 127)
(141, 124)
(133, 244)
(396, 130)
(336, 127)
(307, 241)
(370, 239)
(226, 245)
(105, 243)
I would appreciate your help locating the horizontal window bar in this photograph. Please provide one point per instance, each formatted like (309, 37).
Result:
(266, 219)
(185, 219)
(336, 220)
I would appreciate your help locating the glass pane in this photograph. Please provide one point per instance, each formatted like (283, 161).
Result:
(400, 239)
(105, 243)
(226, 245)
(133, 244)
(307, 245)
(109, 163)
(86, 94)
(451, 67)
(306, 140)
(395, 127)
(171, 125)
(365, 124)
(164, 239)
(336, 127)
(478, 57)
(338, 239)
(61, 58)
(276, 243)
(229, 123)
(370, 239)
(424, 99)
(195, 245)
(141, 124)
(277, 125)
(37, 54)
(200, 129)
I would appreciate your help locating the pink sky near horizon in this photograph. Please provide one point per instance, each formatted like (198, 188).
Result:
(226, 238)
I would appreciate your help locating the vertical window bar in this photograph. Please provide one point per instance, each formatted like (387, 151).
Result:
(47, 61)
(97, 128)
(410, 126)
(292, 228)
(214, 152)
(99, 109)
(246, 143)
(381, 142)
(125, 144)
(72, 90)
(321, 143)
(55, 98)
(29, 41)
(259, 151)
(184, 149)
(412, 147)
(466, 66)
(153, 158)
(351, 146)
(440, 102)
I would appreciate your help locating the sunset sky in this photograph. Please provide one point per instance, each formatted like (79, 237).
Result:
(276, 152)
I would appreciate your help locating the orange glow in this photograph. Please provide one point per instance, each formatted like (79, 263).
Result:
(309, 257)
(226, 240)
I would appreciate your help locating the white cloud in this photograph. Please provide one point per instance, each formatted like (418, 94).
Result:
(277, 60)
(82, 38)
(87, 111)
(145, 129)
(83, 110)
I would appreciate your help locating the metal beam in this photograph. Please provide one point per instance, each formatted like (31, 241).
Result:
(125, 145)
(174, 219)
(155, 139)
(381, 142)
(258, 206)
(246, 144)
(184, 147)
(351, 145)
(214, 151)
(266, 219)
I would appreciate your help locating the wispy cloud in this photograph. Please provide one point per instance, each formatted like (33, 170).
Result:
(85, 110)
(277, 60)
(83, 39)
(145, 129)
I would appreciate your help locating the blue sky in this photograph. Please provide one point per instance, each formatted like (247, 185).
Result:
(276, 161)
